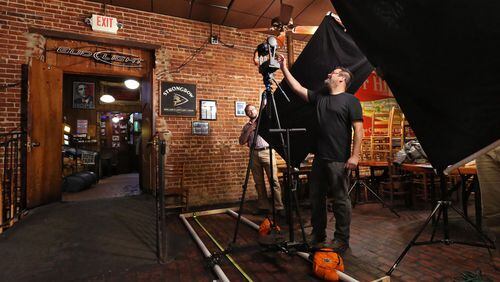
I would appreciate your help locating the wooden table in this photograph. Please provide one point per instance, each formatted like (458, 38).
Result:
(303, 171)
(465, 172)
(358, 183)
(427, 170)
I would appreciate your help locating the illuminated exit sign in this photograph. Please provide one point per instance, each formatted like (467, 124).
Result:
(104, 24)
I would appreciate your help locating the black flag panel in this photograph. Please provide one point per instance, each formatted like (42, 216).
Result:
(441, 60)
(329, 47)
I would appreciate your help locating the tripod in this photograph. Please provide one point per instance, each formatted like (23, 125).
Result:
(357, 185)
(441, 209)
(273, 115)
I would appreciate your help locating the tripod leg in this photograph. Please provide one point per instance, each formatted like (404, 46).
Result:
(412, 242)
(380, 199)
(353, 187)
(247, 174)
(478, 230)
(297, 211)
(434, 225)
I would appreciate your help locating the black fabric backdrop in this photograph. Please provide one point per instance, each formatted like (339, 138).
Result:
(329, 47)
(441, 59)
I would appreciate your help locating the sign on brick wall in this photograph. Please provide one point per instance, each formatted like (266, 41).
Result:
(177, 99)
(104, 24)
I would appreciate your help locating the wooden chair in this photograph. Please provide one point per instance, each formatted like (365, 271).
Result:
(176, 194)
(380, 136)
(396, 185)
(396, 125)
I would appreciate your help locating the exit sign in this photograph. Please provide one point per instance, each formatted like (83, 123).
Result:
(104, 24)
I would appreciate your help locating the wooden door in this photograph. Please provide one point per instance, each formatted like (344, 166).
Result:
(44, 166)
(147, 178)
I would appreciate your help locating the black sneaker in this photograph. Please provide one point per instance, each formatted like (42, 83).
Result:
(260, 212)
(280, 213)
(338, 246)
(316, 241)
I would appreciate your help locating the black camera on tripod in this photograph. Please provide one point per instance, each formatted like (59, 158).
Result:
(265, 58)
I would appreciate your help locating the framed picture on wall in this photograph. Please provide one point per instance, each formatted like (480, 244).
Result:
(200, 128)
(115, 138)
(239, 108)
(83, 95)
(115, 145)
(208, 110)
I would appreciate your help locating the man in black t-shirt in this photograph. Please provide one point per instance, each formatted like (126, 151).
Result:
(337, 113)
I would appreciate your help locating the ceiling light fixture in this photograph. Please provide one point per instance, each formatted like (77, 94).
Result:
(106, 98)
(132, 84)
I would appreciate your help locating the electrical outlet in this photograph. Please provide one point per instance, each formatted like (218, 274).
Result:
(214, 39)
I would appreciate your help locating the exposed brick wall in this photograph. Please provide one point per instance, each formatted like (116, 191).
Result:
(216, 163)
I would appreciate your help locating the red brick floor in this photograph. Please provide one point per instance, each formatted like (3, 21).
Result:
(377, 239)
(114, 240)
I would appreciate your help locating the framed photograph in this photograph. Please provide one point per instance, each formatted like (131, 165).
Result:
(239, 108)
(208, 110)
(200, 128)
(115, 138)
(115, 144)
(83, 95)
(103, 131)
(103, 124)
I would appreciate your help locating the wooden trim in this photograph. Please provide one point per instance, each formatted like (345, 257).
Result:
(92, 38)
(24, 135)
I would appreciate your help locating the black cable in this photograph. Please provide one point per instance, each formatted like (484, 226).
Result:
(189, 59)
(9, 85)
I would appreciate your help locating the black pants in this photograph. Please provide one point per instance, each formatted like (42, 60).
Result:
(333, 176)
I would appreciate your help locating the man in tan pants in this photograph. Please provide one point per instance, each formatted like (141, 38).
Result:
(488, 171)
(261, 163)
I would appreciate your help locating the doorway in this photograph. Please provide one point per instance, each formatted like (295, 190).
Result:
(46, 107)
(101, 149)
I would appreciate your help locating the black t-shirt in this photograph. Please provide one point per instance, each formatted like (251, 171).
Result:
(335, 114)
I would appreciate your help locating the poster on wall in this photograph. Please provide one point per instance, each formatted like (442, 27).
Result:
(82, 126)
(375, 96)
(83, 95)
(178, 99)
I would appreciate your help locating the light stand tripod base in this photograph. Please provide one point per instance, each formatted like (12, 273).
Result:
(357, 185)
(442, 208)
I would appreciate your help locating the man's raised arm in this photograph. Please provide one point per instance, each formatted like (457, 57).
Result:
(300, 90)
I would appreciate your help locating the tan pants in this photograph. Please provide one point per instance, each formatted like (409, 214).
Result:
(488, 171)
(260, 164)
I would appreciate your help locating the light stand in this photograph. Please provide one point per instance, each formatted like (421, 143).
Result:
(441, 209)
(266, 69)
(358, 183)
